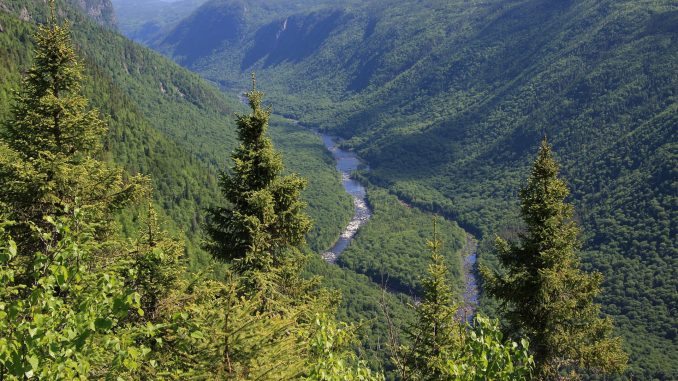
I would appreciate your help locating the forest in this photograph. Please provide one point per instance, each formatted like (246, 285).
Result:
(446, 99)
(175, 234)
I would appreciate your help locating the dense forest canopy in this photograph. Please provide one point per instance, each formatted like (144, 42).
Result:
(445, 100)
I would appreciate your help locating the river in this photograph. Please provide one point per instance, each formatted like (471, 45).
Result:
(346, 163)
(470, 295)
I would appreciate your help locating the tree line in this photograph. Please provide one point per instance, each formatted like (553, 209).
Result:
(80, 300)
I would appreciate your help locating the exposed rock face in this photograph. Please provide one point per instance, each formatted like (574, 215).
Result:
(24, 15)
(100, 11)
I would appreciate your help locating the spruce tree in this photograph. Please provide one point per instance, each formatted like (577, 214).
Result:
(50, 147)
(436, 334)
(263, 224)
(61, 280)
(544, 294)
(155, 264)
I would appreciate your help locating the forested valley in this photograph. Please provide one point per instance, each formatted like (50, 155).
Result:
(172, 220)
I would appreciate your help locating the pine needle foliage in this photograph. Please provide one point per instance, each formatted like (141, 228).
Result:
(50, 148)
(441, 347)
(436, 333)
(264, 222)
(544, 294)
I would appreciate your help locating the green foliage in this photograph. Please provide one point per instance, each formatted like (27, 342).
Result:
(265, 218)
(436, 332)
(329, 206)
(64, 324)
(442, 348)
(51, 143)
(333, 357)
(485, 356)
(64, 300)
(148, 133)
(364, 301)
(81, 303)
(151, 106)
(213, 333)
(543, 292)
(445, 98)
(388, 247)
(156, 265)
(117, 84)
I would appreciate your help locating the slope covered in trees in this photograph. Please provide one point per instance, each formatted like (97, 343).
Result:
(444, 99)
(169, 124)
(79, 299)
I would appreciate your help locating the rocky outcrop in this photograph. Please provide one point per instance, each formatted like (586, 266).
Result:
(100, 11)
(24, 15)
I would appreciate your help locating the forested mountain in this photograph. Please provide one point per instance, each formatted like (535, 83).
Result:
(170, 124)
(145, 20)
(446, 101)
(165, 121)
(85, 297)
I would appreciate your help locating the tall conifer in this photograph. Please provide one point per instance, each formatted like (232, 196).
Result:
(58, 279)
(436, 334)
(263, 223)
(49, 150)
(544, 294)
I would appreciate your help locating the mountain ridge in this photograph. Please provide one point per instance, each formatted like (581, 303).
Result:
(446, 100)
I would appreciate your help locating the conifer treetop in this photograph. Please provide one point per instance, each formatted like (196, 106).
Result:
(264, 219)
(544, 294)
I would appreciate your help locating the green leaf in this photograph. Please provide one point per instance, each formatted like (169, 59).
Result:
(103, 324)
(12, 248)
(34, 363)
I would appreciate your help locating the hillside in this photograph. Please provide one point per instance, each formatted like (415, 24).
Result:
(170, 124)
(145, 20)
(166, 122)
(447, 101)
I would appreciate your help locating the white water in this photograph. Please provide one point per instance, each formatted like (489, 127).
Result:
(347, 162)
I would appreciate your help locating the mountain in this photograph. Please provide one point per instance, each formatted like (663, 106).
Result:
(167, 122)
(172, 125)
(145, 20)
(101, 11)
(447, 100)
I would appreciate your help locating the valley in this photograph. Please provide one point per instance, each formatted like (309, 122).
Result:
(446, 100)
(392, 113)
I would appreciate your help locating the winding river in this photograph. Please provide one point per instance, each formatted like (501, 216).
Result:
(470, 295)
(347, 162)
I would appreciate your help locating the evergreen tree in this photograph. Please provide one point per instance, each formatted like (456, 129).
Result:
(63, 295)
(264, 223)
(436, 334)
(544, 294)
(50, 145)
(155, 264)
